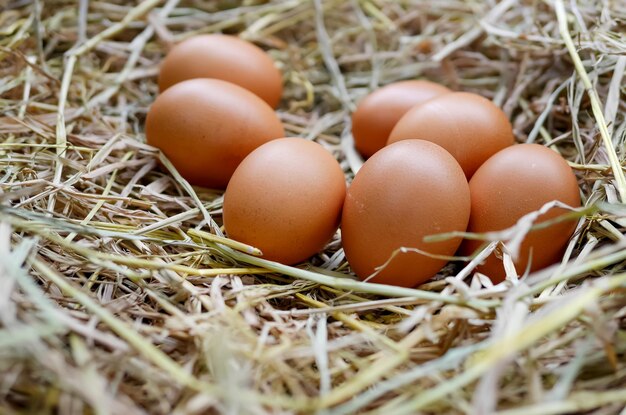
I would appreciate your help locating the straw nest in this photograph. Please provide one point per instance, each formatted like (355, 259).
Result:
(120, 295)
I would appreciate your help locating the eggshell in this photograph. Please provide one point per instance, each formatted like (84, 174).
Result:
(285, 198)
(516, 181)
(224, 57)
(470, 127)
(379, 112)
(206, 127)
(404, 192)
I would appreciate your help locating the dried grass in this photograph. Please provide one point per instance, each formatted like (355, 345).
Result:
(119, 294)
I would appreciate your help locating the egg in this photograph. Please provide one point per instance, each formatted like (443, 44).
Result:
(206, 127)
(224, 57)
(512, 183)
(285, 198)
(470, 127)
(406, 191)
(378, 113)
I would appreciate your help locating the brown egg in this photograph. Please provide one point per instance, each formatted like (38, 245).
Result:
(228, 58)
(516, 181)
(404, 192)
(206, 127)
(285, 198)
(379, 112)
(470, 127)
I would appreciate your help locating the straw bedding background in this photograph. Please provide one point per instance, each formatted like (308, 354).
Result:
(118, 294)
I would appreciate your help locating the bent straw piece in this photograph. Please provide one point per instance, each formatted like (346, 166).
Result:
(608, 256)
(189, 189)
(239, 246)
(357, 286)
(596, 107)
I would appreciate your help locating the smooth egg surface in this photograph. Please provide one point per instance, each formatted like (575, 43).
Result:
(378, 113)
(224, 57)
(514, 182)
(206, 127)
(285, 198)
(406, 191)
(470, 127)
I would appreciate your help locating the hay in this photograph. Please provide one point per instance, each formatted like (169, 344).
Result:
(119, 293)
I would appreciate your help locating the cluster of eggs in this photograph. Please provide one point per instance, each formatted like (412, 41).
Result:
(445, 162)
(437, 162)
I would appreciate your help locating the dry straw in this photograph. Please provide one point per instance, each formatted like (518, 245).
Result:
(120, 294)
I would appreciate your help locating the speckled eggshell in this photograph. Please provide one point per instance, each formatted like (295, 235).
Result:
(404, 192)
(285, 198)
(224, 57)
(206, 127)
(378, 113)
(470, 127)
(514, 182)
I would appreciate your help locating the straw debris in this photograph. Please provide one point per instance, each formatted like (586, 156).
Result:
(119, 292)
